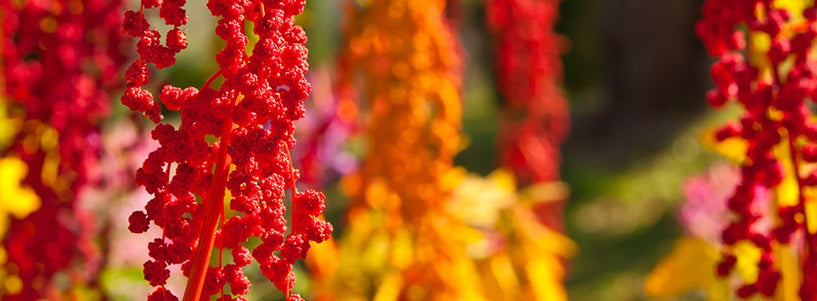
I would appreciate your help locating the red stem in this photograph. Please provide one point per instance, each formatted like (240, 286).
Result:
(211, 79)
(221, 250)
(214, 209)
(291, 173)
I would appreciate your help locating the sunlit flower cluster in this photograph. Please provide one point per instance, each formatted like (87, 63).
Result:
(406, 55)
(251, 118)
(529, 70)
(765, 63)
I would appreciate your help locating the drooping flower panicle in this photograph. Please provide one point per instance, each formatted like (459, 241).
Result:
(251, 114)
(765, 63)
(535, 117)
(406, 57)
(57, 58)
(533, 121)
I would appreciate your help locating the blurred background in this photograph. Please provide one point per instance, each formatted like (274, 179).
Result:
(635, 75)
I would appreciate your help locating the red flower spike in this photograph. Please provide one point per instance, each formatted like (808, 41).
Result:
(252, 115)
(529, 70)
(764, 98)
(61, 80)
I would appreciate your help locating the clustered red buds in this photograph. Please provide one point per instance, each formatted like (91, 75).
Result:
(252, 115)
(535, 116)
(776, 114)
(151, 50)
(57, 59)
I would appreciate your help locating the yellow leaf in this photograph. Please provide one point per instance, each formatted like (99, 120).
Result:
(14, 199)
(539, 238)
(748, 256)
(790, 272)
(454, 177)
(689, 267)
(7, 128)
(732, 148)
(787, 192)
(389, 289)
(322, 258)
(793, 6)
(759, 44)
(811, 215)
(545, 192)
(478, 201)
(719, 291)
(503, 178)
(402, 253)
(546, 278)
(503, 273)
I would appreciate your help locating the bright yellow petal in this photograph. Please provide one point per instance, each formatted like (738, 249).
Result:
(546, 277)
(719, 291)
(690, 266)
(504, 179)
(7, 128)
(502, 270)
(759, 44)
(790, 270)
(389, 289)
(477, 201)
(402, 254)
(19, 201)
(322, 258)
(794, 6)
(748, 256)
(539, 238)
(811, 215)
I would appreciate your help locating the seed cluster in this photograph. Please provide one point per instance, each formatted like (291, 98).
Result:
(57, 59)
(535, 116)
(251, 114)
(775, 85)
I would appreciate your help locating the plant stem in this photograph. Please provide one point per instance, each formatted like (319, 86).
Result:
(214, 209)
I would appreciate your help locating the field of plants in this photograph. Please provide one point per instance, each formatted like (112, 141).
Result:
(408, 150)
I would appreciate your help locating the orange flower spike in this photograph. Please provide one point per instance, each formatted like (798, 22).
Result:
(412, 70)
(408, 60)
